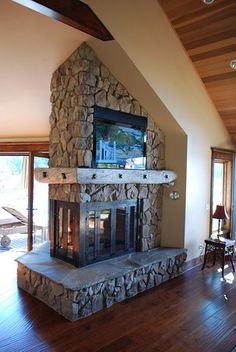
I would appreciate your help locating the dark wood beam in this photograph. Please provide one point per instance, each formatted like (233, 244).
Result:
(74, 13)
(24, 147)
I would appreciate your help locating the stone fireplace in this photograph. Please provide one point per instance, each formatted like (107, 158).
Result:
(80, 85)
(103, 220)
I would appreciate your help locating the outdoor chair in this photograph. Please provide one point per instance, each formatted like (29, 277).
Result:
(17, 224)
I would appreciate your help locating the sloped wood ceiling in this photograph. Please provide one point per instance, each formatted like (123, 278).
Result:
(208, 33)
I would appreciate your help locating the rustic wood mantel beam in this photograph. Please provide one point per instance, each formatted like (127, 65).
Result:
(103, 176)
(74, 13)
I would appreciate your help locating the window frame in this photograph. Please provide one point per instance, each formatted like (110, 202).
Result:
(226, 157)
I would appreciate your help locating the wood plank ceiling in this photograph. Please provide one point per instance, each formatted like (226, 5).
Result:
(208, 33)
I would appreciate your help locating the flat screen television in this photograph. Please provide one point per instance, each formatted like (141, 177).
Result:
(119, 140)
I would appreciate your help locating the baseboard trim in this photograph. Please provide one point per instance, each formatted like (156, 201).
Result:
(193, 263)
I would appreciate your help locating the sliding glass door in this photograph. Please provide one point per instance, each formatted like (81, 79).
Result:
(23, 201)
(14, 201)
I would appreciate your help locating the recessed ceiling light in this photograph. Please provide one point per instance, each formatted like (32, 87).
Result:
(208, 2)
(233, 64)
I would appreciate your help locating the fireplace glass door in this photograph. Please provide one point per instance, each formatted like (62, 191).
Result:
(108, 229)
(90, 232)
(66, 231)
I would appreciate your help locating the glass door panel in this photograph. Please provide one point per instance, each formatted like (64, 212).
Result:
(105, 232)
(13, 201)
(120, 228)
(91, 236)
(40, 205)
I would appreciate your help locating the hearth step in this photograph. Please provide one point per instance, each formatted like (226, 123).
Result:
(77, 293)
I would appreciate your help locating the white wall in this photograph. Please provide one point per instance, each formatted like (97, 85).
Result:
(144, 33)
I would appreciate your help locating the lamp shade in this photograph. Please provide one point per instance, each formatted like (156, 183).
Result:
(220, 212)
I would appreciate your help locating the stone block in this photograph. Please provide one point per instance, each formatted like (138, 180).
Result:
(133, 290)
(142, 286)
(101, 98)
(104, 71)
(112, 102)
(54, 136)
(88, 156)
(125, 104)
(57, 289)
(87, 78)
(85, 52)
(86, 100)
(97, 303)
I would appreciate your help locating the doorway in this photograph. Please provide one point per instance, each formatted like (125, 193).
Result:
(23, 201)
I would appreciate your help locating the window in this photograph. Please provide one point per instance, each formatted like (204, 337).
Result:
(221, 187)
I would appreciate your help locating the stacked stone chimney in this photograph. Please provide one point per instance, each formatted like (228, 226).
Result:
(81, 82)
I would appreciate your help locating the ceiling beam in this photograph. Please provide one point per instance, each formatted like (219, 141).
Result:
(74, 13)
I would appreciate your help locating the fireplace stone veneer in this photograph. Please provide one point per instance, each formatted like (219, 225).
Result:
(77, 85)
(78, 293)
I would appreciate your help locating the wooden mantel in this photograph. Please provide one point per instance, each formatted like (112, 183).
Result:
(103, 176)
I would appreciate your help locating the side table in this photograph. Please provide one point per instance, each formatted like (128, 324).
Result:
(221, 248)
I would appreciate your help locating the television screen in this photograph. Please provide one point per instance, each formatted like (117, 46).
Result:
(118, 146)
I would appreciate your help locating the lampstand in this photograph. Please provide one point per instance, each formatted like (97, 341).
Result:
(220, 214)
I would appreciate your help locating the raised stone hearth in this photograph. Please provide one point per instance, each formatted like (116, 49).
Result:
(77, 293)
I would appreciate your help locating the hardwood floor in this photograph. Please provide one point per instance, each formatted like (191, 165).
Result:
(194, 313)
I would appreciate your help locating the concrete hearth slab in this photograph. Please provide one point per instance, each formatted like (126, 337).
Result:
(79, 292)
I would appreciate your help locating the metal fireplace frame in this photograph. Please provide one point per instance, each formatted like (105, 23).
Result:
(79, 213)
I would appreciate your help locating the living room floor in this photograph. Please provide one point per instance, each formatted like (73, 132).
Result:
(195, 312)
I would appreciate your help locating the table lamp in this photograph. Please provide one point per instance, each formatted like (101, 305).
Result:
(220, 214)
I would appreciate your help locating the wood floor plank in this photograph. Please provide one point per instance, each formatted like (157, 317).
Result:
(195, 312)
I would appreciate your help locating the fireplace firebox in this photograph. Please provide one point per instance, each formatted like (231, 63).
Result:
(90, 232)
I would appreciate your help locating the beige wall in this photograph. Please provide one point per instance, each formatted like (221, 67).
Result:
(32, 47)
(144, 33)
(122, 67)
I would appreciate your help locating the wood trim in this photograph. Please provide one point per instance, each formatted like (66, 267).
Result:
(190, 264)
(74, 13)
(16, 147)
(30, 202)
(211, 195)
(222, 154)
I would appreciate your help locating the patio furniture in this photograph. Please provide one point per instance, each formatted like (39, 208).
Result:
(9, 226)
(17, 224)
